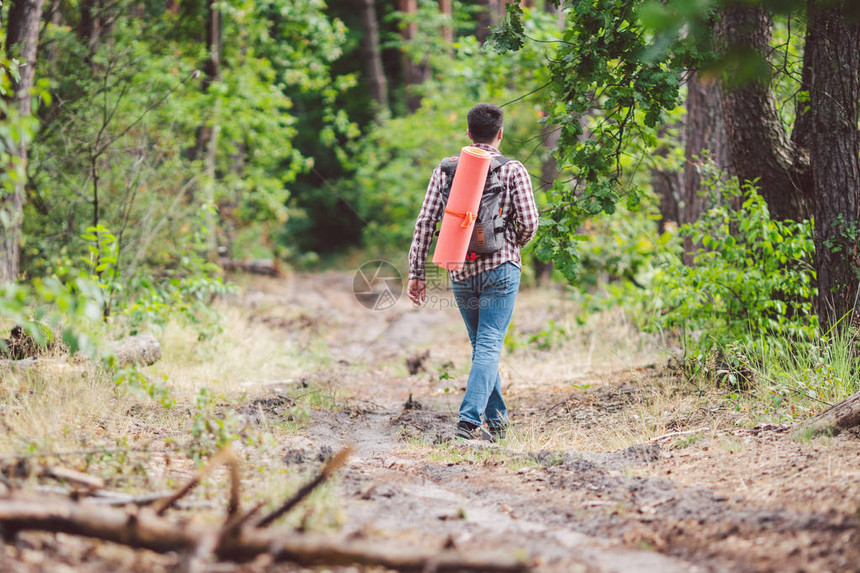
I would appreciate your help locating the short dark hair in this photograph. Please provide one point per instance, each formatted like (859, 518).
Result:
(484, 121)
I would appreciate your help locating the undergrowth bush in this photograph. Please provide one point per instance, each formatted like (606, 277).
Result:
(751, 278)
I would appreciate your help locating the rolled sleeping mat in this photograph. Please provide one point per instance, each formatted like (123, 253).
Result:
(462, 208)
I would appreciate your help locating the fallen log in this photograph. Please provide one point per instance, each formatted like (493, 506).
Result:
(144, 529)
(238, 539)
(140, 350)
(842, 416)
(265, 267)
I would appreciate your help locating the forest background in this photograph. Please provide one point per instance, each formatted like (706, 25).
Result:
(696, 161)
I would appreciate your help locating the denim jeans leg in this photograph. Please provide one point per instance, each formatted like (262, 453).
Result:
(496, 413)
(486, 304)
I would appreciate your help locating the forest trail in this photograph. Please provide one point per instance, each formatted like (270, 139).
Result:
(581, 484)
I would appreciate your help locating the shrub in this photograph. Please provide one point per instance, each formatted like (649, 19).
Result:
(751, 276)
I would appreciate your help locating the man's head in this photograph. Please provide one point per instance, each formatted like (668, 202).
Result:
(485, 120)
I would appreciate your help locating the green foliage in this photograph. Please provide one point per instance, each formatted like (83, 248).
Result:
(125, 147)
(606, 83)
(212, 428)
(184, 290)
(132, 379)
(394, 160)
(73, 309)
(750, 277)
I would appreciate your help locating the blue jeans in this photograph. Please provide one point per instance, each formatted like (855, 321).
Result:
(486, 303)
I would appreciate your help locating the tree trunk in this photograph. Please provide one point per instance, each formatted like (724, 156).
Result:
(490, 13)
(834, 139)
(706, 139)
(89, 24)
(446, 7)
(413, 73)
(22, 39)
(758, 145)
(207, 134)
(373, 55)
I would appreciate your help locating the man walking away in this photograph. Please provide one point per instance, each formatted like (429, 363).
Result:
(486, 287)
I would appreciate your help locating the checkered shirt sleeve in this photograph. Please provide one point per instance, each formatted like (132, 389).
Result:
(525, 211)
(425, 225)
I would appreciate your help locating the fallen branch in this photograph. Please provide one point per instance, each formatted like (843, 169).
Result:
(73, 476)
(266, 267)
(330, 467)
(225, 456)
(144, 529)
(674, 434)
(238, 539)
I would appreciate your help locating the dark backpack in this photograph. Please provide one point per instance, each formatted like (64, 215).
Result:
(488, 235)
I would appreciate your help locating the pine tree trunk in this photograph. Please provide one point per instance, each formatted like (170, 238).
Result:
(22, 38)
(490, 14)
(88, 25)
(834, 146)
(413, 73)
(706, 137)
(373, 55)
(758, 145)
(446, 7)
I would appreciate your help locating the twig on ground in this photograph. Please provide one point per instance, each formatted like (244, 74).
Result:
(73, 476)
(673, 434)
(330, 467)
(225, 456)
(105, 451)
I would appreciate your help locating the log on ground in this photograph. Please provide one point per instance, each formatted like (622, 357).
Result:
(144, 529)
(842, 416)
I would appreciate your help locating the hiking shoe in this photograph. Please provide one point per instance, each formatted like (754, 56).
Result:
(498, 432)
(465, 430)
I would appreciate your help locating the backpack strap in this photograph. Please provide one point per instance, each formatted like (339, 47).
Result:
(448, 166)
(498, 161)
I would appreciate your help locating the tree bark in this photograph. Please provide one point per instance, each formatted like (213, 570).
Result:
(489, 15)
(842, 416)
(142, 528)
(22, 39)
(758, 145)
(373, 54)
(207, 134)
(706, 139)
(834, 146)
(89, 24)
(413, 73)
(446, 7)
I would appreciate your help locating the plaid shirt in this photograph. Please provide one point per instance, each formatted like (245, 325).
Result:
(517, 202)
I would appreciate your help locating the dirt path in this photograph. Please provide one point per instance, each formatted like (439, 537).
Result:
(721, 499)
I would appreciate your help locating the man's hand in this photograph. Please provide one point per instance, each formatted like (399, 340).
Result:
(417, 291)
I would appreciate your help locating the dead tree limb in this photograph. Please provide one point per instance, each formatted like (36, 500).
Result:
(238, 539)
(842, 416)
(144, 529)
(73, 476)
